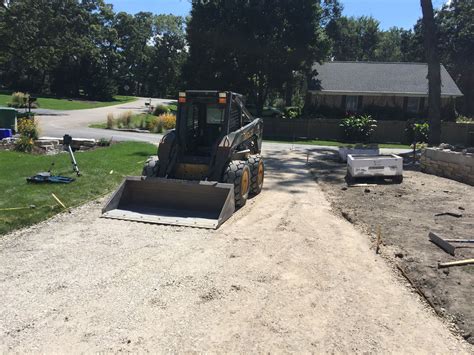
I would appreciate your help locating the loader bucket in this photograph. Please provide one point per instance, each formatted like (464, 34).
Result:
(198, 204)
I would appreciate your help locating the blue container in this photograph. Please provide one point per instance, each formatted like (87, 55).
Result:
(5, 133)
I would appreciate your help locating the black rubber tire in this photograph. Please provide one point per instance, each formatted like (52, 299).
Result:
(254, 164)
(234, 174)
(151, 167)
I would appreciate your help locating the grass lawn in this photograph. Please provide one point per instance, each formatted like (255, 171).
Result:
(96, 166)
(337, 144)
(65, 104)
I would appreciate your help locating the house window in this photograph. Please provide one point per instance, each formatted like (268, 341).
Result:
(413, 104)
(352, 103)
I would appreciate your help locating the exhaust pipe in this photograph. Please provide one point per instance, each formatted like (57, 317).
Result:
(199, 204)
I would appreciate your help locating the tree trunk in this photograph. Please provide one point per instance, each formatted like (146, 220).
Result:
(434, 72)
(289, 93)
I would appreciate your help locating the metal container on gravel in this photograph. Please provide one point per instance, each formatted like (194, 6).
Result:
(206, 168)
(389, 166)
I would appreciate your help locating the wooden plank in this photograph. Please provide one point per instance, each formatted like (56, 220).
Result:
(448, 248)
(456, 263)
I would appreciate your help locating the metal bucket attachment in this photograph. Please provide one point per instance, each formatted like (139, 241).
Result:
(198, 204)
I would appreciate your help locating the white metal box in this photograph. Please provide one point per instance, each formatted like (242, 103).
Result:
(345, 151)
(371, 166)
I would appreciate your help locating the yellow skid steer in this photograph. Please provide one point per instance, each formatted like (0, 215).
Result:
(206, 168)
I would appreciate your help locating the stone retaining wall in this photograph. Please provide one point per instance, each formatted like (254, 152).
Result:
(457, 166)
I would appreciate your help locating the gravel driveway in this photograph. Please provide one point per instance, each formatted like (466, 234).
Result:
(284, 274)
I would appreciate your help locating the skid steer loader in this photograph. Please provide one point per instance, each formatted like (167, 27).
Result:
(206, 168)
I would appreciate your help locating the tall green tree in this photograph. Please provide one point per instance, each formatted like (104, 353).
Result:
(167, 56)
(254, 46)
(434, 72)
(354, 38)
(456, 46)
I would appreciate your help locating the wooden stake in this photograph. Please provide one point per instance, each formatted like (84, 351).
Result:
(456, 263)
(379, 240)
(59, 201)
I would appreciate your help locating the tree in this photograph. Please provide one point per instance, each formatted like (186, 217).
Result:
(167, 56)
(456, 45)
(354, 38)
(255, 46)
(434, 72)
(389, 48)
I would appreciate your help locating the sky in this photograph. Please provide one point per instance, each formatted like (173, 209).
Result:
(400, 13)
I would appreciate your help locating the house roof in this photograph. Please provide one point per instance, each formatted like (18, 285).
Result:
(398, 79)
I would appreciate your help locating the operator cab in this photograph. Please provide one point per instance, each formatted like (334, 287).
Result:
(210, 116)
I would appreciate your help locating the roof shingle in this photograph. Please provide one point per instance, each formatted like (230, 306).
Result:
(378, 77)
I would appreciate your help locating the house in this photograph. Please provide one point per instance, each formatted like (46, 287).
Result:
(384, 90)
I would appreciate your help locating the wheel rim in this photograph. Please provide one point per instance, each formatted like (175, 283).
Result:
(260, 174)
(245, 182)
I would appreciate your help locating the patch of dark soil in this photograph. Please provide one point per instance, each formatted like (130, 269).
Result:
(406, 213)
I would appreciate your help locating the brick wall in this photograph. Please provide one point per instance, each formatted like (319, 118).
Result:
(452, 165)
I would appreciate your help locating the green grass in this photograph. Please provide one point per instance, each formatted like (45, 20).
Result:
(337, 144)
(98, 125)
(123, 159)
(65, 104)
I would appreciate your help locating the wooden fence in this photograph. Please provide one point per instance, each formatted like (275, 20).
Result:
(386, 132)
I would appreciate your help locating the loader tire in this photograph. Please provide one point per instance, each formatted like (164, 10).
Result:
(257, 170)
(238, 174)
(151, 167)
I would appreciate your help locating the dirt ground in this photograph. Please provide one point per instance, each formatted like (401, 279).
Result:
(406, 214)
(284, 274)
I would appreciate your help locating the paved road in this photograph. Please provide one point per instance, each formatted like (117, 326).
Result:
(76, 123)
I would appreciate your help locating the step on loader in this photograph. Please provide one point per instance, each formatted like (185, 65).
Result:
(205, 169)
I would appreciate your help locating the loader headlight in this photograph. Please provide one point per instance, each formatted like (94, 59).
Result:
(182, 98)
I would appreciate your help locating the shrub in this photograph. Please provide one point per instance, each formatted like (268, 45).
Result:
(28, 127)
(358, 128)
(161, 110)
(168, 120)
(111, 121)
(155, 125)
(421, 131)
(464, 119)
(417, 131)
(104, 142)
(19, 100)
(292, 112)
(173, 108)
(28, 130)
(125, 119)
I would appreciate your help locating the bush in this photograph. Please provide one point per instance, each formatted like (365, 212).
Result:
(168, 120)
(421, 131)
(358, 128)
(173, 108)
(19, 100)
(111, 123)
(28, 127)
(292, 112)
(464, 119)
(28, 130)
(155, 125)
(417, 131)
(161, 110)
(104, 142)
(125, 119)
